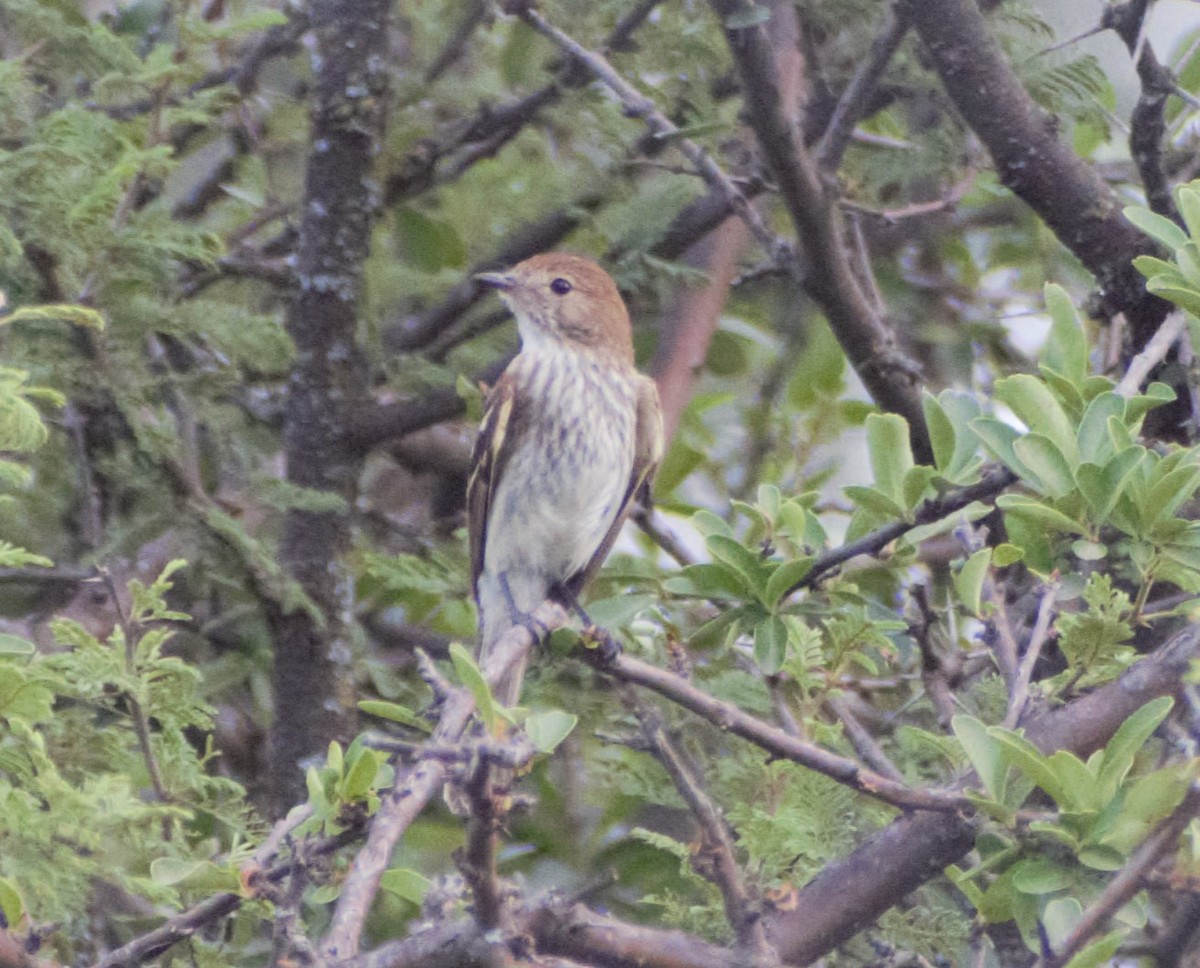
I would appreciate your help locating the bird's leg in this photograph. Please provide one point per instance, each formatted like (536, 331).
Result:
(608, 648)
(536, 628)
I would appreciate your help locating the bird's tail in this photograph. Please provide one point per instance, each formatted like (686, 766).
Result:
(495, 619)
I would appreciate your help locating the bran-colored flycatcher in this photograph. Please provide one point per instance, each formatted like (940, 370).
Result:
(571, 435)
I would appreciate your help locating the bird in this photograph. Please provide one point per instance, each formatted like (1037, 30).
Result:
(571, 437)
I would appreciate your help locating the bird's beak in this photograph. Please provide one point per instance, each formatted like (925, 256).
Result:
(498, 280)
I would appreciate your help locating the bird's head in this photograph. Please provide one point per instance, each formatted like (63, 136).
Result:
(565, 301)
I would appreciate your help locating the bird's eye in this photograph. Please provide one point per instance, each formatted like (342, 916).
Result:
(560, 286)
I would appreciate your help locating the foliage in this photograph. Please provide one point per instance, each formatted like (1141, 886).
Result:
(152, 192)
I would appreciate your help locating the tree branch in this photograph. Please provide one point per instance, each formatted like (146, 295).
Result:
(1032, 160)
(716, 861)
(311, 680)
(889, 376)
(852, 892)
(1129, 880)
(413, 789)
(730, 718)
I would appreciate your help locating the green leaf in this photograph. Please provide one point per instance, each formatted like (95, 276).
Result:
(770, 644)
(68, 313)
(1039, 513)
(1031, 761)
(15, 645)
(1168, 493)
(1156, 226)
(941, 431)
(708, 580)
(1129, 738)
(1189, 207)
(1079, 783)
(174, 870)
(393, 711)
(1155, 396)
(741, 559)
(1101, 858)
(1039, 875)
(784, 578)
(360, 777)
(1180, 294)
(1038, 409)
(23, 699)
(1060, 917)
(1094, 443)
(708, 523)
(969, 580)
(11, 905)
(1047, 463)
(406, 883)
(1099, 952)
(1102, 489)
(471, 677)
(549, 728)
(998, 437)
(1066, 349)
(1006, 554)
(916, 483)
(875, 501)
(890, 453)
(984, 752)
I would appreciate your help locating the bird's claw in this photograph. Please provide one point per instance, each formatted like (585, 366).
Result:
(606, 648)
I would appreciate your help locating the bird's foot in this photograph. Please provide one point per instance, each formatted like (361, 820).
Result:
(606, 649)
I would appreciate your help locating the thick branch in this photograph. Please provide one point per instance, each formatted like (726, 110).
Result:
(1032, 160)
(311, 682)
(413, 789)
(889, 376)
(851, 893)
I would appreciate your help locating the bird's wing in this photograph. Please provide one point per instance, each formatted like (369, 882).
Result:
(488, 458)
(647, 455)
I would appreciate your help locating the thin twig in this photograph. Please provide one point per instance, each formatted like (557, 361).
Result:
(716, 861)
(853, 103)
(655, 527)
(1155, 352)
(186, 923)
(141, 722)
(639, 106)
(861, 739)
(1019, 697)
(729, 717)
(414, 788)
(988, 486)
(1005, 646)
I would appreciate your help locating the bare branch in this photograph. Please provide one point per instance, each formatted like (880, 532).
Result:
(853, 102)
(414, 788)
(1156, 350)
(730, 718)
(717, 861)
(1019, 695)
(889, 375)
